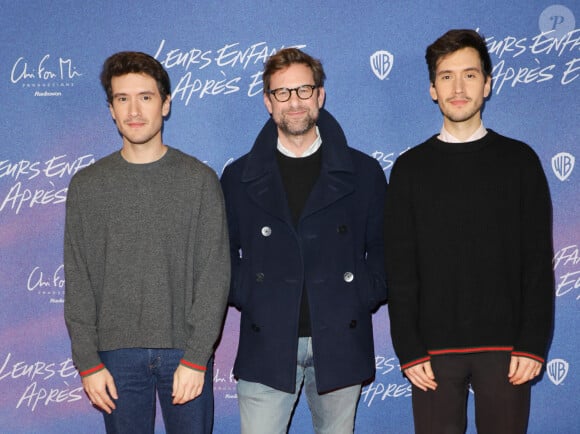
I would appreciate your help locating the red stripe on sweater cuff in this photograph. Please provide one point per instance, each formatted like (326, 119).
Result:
(92, 370)
(193, 365)
(528, 355)
(415, 362)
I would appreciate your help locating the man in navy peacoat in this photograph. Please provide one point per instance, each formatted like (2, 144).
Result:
(324, 255)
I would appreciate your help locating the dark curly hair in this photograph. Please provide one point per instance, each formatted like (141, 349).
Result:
(455, 40)
(126, 62)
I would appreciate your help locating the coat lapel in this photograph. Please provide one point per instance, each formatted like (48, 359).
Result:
(336, 175)
(268, 193)
(264, 184)
(329, 188)
(261, 175)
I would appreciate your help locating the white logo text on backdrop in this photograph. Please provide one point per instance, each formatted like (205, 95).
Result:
(563, 165)
(382, 63)
(557, 369)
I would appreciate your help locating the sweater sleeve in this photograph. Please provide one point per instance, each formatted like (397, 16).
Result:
(374, 239)
(402, 269)
(536, 268)
(234, 233)
(79, 306)
(211, 275)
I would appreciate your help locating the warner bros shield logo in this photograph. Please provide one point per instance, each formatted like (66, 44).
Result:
(382, 63)
(557, 369)
(562, 165)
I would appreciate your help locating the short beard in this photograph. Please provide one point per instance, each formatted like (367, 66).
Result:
(297, 129)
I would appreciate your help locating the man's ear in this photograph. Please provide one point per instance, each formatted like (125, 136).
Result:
(487, 86)
(268, 102)
(433, 92)
(321, 96)
(112, 111)
(166, 106)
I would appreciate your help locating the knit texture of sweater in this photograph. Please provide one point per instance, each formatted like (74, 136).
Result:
(469, 250)
(146, 258)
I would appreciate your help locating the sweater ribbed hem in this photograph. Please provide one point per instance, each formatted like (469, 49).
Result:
(467, 350)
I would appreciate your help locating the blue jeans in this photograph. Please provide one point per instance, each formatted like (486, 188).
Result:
(264, 410)
(139, 375)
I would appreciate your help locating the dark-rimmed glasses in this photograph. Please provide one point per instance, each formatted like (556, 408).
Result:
(283, 94)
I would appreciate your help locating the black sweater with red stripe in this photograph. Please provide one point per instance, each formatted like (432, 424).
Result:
(469, 250)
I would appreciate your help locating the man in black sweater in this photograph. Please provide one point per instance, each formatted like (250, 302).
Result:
(469, 251)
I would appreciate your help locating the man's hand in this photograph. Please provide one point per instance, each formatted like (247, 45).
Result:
(100, 388)
(187, 384)
(523, 369)
(422, 376)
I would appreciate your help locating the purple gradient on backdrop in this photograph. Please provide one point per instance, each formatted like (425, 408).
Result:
(376, 117)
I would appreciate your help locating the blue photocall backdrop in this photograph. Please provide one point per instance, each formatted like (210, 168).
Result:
(55, 121)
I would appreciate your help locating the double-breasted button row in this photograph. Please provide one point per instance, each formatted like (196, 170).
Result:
(348, 277)
(267, 230)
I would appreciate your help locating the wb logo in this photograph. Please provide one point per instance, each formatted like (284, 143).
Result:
(562, 165)
(382, 63)
(557, 370)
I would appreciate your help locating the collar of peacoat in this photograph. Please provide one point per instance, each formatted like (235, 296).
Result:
(335, 156)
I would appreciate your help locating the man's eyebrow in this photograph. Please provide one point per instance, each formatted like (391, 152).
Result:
(448, 71)
(145, 92)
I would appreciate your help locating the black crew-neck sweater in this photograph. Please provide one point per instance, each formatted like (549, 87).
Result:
(469, 250)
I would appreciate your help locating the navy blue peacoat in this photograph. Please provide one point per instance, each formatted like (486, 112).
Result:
(335, 252)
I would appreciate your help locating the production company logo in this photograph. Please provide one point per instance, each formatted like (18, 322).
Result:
(47, 74)
(47, 283)
(557, 369)
(382, 63)
(563, 165)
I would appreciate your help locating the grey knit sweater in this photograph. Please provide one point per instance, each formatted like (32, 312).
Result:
(146, 258)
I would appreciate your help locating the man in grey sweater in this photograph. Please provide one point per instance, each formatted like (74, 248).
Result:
(147, 265)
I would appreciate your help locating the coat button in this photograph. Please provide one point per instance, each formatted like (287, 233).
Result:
(266, 231)
(348, 277)
(255, 328)
(352, 324)
(341, 229)
(259, 277)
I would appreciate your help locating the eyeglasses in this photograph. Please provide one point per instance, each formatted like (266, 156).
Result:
(283, 94)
